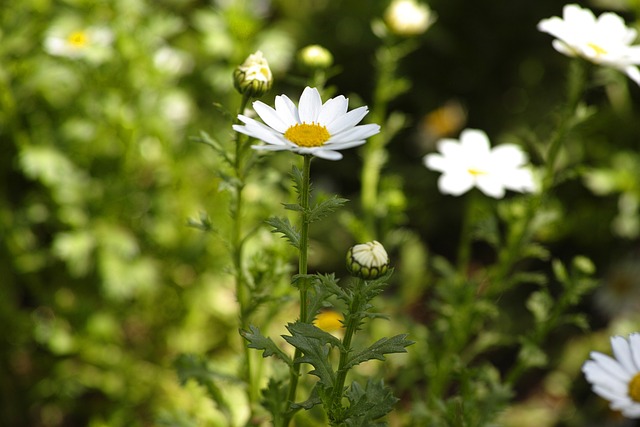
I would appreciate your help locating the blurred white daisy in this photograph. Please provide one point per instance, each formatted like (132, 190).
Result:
(69, 38)
(310, 128)
(617, 379)
(408, 17)
(604, 41)
(470, 162)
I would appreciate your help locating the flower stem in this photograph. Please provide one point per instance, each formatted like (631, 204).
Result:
(302, 271)
(237, 243)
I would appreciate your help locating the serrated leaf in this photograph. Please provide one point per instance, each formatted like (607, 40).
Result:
(273, 397)
(297, 177)
(312, 331)
(289, 232)
(313, 400)
(293, 207)
(369, 404)
(260, 342)
(378, 349)
(315, 353)
(326, 207)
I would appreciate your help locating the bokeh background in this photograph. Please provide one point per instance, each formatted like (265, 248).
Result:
(103, 283)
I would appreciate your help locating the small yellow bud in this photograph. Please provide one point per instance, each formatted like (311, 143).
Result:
(315, 57)
(254, 76)
(367, 260)
(408, 18)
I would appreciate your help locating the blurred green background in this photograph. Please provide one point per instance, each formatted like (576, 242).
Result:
(103, 283)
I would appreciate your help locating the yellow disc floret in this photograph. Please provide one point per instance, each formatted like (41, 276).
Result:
(78, 39)
(476, 172)
(597, 49)
(634, 387)
(308, 135)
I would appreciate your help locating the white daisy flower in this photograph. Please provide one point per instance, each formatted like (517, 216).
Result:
(470, 162)
(408, 17)
(604, 41)
(617, 379)
(73, 40)
(311, 128)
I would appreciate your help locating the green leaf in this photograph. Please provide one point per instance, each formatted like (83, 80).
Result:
(368, 404)
(289, 232)
(191, 366)
(315, 353)
(208, 140)
(326, 207)
(293, 207)
(378, 349)
(260, 342)
(273, 398)
(312, 331)
(298, 177)
(540, 304)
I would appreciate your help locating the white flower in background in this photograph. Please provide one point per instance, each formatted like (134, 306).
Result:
(604, 41)
(367, 260)
(408, 17)
(70, 38)
(617, 379)
(310, 128)
(470, 162)
(172, 61)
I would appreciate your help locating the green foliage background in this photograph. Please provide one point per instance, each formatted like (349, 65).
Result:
(103, 283)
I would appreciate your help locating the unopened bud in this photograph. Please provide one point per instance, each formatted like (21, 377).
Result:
(408, 18)
(367, 260)
(254, 76)
(315, 57)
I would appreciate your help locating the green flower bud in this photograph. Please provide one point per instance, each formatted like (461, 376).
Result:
(254, 76)
(315, 57)
(367, 260)
(408, 18)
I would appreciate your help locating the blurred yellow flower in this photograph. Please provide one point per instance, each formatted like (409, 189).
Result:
(329, 321)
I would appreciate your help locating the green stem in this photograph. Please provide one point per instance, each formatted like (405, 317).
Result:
(302, 271)
(466, 238)
(242, 290)
(351, 327)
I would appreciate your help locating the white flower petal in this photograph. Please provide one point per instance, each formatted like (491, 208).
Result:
(509, 154)
(491, 186)
(610, 365)
(357, 132)
(455, 183)
(475, 142)
(326, 154)
(270, 116)
(310, 105)
(618, 401)
(622, 352)
(634, 343)
(633, 73)
(347, 121)
(287, 110)
(632, 411)
(258, 130)
(599, 377)
(344, 145)
(332, 109)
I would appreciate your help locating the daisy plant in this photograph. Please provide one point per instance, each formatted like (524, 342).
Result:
(604, 40)
(617, 378)
(316, 129)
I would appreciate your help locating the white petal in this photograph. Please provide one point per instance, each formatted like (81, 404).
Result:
(455, 184)
(332, 109)
(450, 148)
(326, 154)
(622, 353)
(599, 377)
(520, 180)
(260, 131)
(633, 73)
(610, 365)
(347, 121)
(490, 185)
(563, 48)
(270, 116)
(508, 154)
(358, 132)
(436, 162)
(309, 105)
(634, 343)
(616, 399)
(287, 110)
(633, 411)
(344, 145)
(474, 142)
(272, 147)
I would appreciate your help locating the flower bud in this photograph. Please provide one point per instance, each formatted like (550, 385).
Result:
(253, 77)
(315, 57)
(408, 18)
(367, 260)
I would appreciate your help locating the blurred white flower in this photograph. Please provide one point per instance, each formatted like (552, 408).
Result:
(70, 39)
(604, 41)
(311, 128)
(471, 162)
(408, 17)
(617, 379)
(172, 61)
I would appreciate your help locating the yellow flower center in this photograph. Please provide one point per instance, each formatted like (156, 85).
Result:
(308, 135)
(78, 39)
(634, 387)
(597, 49)
(476, 172)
